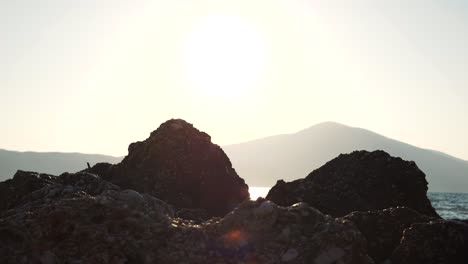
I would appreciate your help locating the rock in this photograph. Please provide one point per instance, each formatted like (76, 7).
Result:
(22, 184)
(290, 255)
(26, 187)
(244, 236)
(383, 229)
(333, 255)
(180, 165)
(79, 218)
(196, 215)
(112, 214)
(360, 181)
(440, 242)
(265, 209)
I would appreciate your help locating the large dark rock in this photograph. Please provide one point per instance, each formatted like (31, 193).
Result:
(262, 232)
(383, 229)
(23, 183)
(436, 242)
(28, 187)
(360, 181)
(180, 165)
(79, 218)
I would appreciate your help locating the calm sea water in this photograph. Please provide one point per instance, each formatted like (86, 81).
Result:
(448, 205)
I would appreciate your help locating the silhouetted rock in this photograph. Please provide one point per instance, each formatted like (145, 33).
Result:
(80, 218)
(23, 183)
(31, 187)
(383, 229)
(262, 232)
(436, 242)
(360, 181)
(180, 165)
(102, 168)
(112, 214)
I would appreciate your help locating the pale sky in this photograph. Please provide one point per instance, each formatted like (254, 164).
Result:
(94, 75)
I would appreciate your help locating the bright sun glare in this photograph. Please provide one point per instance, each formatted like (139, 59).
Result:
(224, 56)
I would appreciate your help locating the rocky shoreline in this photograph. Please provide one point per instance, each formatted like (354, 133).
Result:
(176, 198)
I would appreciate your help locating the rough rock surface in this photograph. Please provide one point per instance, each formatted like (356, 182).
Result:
(360, 181)
(26, 187)
(22, 184)
(79, 218)
(180, 165)
(383, 229)
(262, 232)
(436, 242)
(110, 213)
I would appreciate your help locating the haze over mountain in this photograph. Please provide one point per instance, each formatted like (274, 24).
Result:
(47, 162)
(291, 156)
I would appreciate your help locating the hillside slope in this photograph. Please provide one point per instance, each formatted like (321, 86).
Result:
(261, 162)
(47, 162)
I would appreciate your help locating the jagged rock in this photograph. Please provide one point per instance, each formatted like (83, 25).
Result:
(30, 187)
(196, 215)
(79, 218)
(262, 232)
(180, 165)
(383, 229)
(436, 242)
(22, 184)
(360, 181)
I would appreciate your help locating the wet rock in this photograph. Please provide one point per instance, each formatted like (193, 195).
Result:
(440, 242)
(383, 229)
(180, 165)
(360, 181)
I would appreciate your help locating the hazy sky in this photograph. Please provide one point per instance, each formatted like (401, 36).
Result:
(95, 75)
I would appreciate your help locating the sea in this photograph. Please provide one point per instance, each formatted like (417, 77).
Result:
(447, 205)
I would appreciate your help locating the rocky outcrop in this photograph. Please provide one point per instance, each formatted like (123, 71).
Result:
(383, 229)
(436, 242)
(29, 187)
(157, 206)
(262, 232)
(22, 184)
(79, 218)
(360, 181)
(180, 165)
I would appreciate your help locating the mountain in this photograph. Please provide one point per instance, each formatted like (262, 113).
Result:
(292, 156)
(47, 162)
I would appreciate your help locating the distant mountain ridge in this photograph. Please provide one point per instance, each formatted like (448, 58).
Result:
(47, 162)
(262, 162)
(291, 156)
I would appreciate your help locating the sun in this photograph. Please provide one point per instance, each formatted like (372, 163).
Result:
(224, 56)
